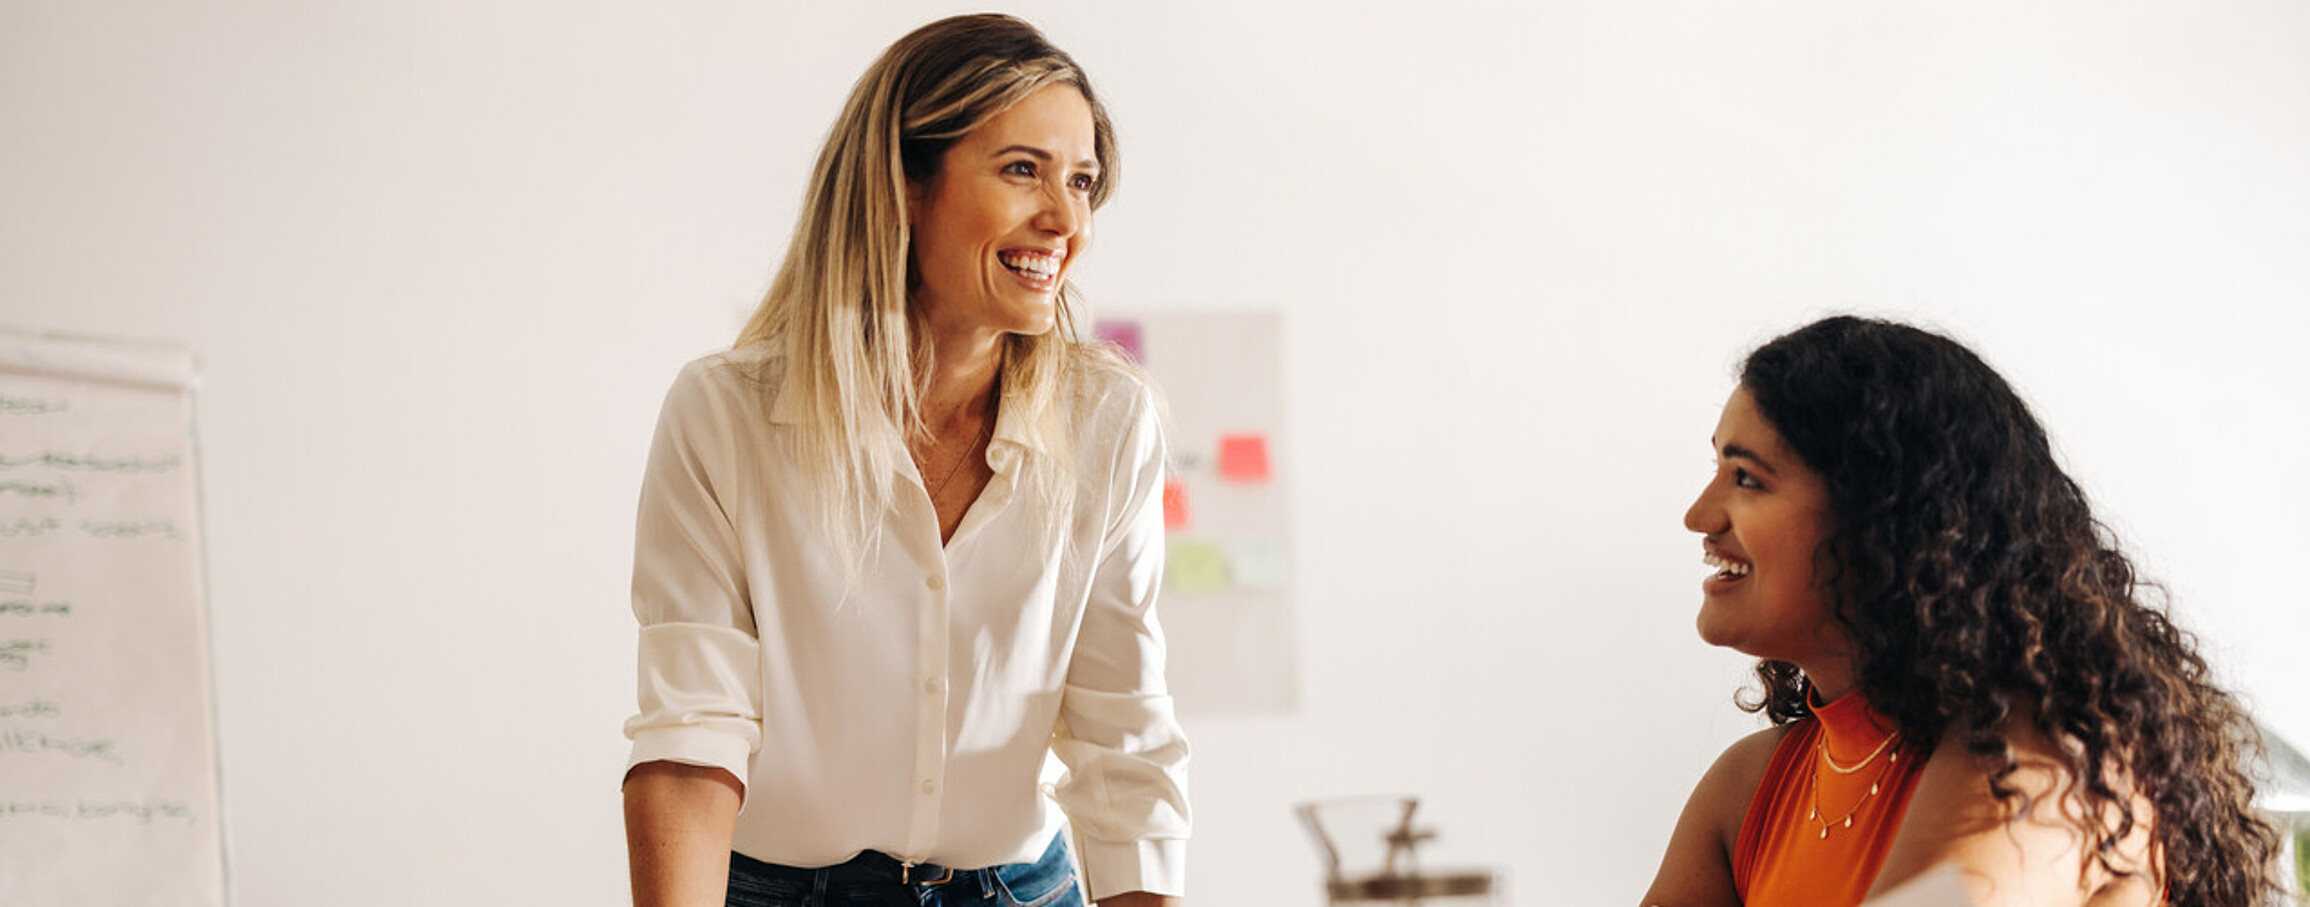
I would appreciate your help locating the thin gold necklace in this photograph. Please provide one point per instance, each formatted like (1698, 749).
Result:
(1831, 759)
(986, 429)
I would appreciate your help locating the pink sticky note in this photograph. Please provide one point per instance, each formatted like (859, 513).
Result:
(1243, 458)
(1174, 504)
(1124, 334)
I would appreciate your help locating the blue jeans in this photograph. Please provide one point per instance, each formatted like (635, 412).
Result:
(874, 880)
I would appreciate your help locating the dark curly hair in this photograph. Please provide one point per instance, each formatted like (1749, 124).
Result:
(1975, 584)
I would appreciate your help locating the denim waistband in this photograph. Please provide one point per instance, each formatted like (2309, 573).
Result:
(870, 867)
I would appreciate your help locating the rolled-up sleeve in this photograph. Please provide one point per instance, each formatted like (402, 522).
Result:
(700, 675)
(1126, 757)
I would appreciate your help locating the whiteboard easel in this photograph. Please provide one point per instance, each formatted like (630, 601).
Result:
(108, 766)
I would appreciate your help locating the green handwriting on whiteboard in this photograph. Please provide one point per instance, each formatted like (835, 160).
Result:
(31, 708)
(16, 654)
(141, 812)
(30, 406)
(26, 526)
(17, 607)
(130, 529)
(57, 459)
(40, 491)
(21, 742)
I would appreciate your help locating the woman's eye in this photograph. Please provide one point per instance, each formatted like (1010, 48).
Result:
(1082, 182)
(1020, 168)
(1742, 478)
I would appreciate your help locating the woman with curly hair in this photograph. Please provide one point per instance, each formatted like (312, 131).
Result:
(1958, 663)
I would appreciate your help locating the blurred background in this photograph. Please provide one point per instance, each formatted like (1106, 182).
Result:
(441, 259)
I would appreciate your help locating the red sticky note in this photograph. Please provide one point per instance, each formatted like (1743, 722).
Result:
(1124, 334)
(1243, 458)
(1174, 505)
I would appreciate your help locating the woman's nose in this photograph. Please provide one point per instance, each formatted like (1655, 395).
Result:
(1705, 516)
(1060, 214)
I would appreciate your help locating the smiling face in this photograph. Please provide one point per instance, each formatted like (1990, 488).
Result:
(996, 230)
(1763, 517)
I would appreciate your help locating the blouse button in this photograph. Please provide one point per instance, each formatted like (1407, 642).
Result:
(929, 786)
(935, 582)
(933, 685)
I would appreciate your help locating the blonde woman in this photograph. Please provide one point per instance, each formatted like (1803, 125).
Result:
(903, 541)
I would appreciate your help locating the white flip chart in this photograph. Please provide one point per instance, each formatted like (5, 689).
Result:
(108, 766)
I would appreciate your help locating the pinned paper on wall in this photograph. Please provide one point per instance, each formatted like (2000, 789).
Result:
(1197, 566)
(108, 763)
(1226, 602)
(1124, 334)
(1243, 458)
(1175, 513)
(1256, 562)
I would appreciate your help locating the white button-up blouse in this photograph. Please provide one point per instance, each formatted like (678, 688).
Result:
(913, 718)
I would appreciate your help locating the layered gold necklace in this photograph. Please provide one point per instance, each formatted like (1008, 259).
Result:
(1821, 748)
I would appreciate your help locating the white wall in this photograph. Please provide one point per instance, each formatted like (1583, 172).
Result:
(442, 257)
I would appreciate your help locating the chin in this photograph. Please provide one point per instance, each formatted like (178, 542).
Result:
(1034, 323)
(1712, 629)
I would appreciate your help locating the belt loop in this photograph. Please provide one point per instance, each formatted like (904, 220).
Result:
(818, 882)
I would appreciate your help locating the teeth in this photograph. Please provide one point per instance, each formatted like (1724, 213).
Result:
(1724, 564)
(1038, 264)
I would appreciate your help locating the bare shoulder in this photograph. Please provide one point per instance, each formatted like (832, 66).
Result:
(1731, 782)
(2028, 850)
(1697, 869)
(1752, 752)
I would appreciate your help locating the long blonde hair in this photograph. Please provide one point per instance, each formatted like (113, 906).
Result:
(844, 335)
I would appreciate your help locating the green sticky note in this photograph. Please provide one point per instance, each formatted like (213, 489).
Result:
(1197, 566)
(1257, 562)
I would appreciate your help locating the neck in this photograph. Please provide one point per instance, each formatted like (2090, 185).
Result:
(963, 381)
(1831, 665)
(1830, 683)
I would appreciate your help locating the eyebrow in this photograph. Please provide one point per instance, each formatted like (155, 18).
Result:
(1045, 156)
(1737, 452)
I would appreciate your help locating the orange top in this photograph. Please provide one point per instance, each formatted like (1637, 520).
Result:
(1826, 811)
